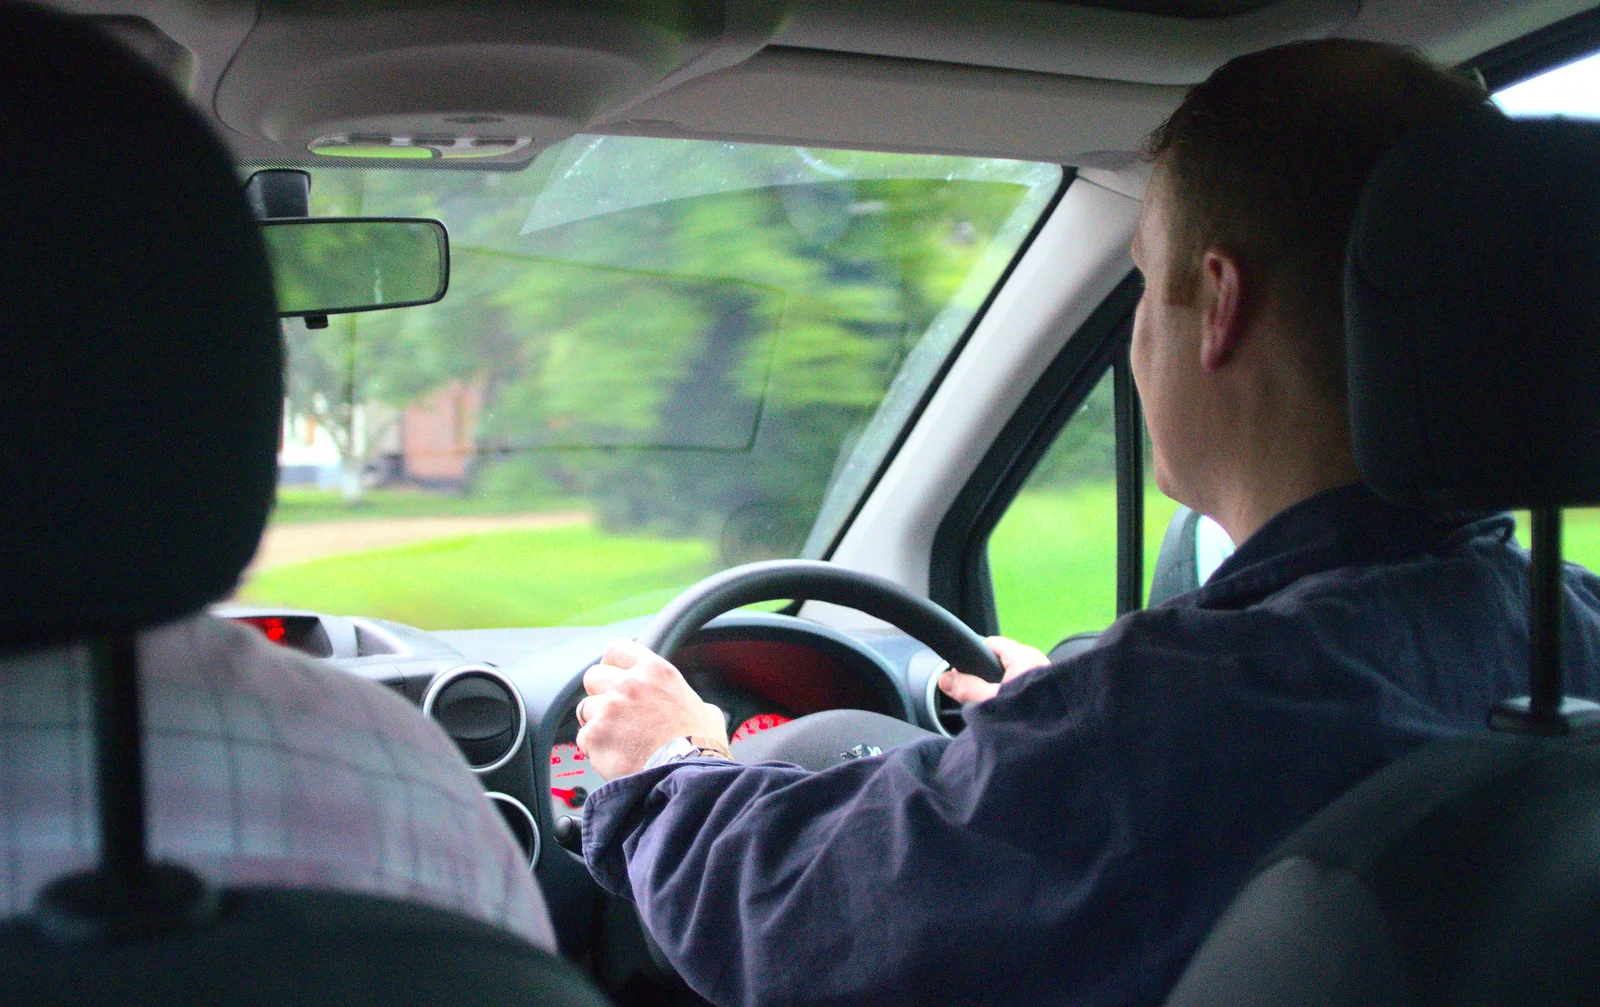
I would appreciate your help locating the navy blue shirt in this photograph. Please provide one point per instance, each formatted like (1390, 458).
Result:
(1076, 842)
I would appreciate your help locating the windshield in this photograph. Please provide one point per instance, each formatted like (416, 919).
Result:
(656, 359)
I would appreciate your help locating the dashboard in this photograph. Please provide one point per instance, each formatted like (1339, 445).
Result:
(508, 699)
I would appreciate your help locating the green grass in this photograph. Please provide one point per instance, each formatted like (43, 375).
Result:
(298, 505)
(1053, 560)
(1580, 536)
(541, 577)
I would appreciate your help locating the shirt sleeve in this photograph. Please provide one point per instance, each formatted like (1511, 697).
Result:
(905, 878)
(1072, 845)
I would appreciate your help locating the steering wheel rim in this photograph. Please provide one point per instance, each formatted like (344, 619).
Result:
(812, 580)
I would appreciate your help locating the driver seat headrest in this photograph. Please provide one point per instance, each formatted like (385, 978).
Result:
(1472, 303)
(143, 370)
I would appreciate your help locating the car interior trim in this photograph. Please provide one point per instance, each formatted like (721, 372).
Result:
(1130, 484)
(934, 709)
(507, 801)
(375, 638)
(959, 571)
(1059, 38)
(811, 97)
(950, 76)
(440, 682)
(1074, 263)
(1531, 55)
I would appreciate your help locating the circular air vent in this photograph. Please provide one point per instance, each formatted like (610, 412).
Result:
(522, 824)
(481, 711)
(944, 712)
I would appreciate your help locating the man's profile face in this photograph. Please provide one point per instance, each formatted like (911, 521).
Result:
(1166, 355)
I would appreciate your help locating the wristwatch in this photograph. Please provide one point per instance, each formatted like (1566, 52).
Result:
(688, 746)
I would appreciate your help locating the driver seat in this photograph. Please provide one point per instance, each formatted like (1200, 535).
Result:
(143, 379)
(1467, 872)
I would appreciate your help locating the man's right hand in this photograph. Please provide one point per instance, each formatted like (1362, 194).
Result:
(1015, 658)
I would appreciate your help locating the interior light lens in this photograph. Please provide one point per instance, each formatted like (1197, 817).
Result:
(433, 147)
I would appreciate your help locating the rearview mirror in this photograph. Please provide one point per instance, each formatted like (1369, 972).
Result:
(337, 265)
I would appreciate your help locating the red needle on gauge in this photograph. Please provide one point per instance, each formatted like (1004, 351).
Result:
(573, 797)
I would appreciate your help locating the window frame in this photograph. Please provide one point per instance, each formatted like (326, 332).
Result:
(959, 577)
(1546, 49)
(1069, 175)
(958, 574)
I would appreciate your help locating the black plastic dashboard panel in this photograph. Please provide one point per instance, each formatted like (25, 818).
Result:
(797, 666)
(1187, 9)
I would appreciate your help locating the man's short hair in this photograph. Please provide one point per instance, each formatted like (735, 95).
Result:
(1266, 160)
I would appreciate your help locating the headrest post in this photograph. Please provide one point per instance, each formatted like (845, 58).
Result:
(127, 897)
(1545, 625)
(1546, 710)
(119, 761)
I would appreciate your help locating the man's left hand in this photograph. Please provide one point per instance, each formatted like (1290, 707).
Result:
(638, 702)
(1015, 658)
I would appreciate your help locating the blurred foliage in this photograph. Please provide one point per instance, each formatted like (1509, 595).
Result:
(1086, 448)
(691, 365)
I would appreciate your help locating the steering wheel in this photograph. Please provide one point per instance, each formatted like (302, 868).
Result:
(819, 740)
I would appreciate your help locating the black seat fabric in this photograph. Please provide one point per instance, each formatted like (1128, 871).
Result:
(1472, 315)
(280, 948)
(143, 386)
(1465, 874)
(1468, 872)
(142, 366)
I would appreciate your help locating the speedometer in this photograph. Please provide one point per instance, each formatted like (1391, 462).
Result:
(572, 780)
(755, 725)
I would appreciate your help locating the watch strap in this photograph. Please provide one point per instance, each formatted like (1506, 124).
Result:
(688, 746)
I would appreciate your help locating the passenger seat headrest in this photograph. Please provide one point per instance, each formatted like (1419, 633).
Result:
(141, 368)
(1472, 304)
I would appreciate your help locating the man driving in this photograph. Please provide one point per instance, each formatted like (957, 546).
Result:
(1078, 840)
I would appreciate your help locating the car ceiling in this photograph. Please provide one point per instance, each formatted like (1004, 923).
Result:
(1074, 82)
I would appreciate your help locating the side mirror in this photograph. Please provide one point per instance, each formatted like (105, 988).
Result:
(1192, 549)
(338, 265)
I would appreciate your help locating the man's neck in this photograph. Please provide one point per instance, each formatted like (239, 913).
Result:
(1283, 472)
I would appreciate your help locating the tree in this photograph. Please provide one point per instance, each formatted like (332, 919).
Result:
(696, 359)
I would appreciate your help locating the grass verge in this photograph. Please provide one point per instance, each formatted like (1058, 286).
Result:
(1053, 561)
(537, 577)
(298, 505)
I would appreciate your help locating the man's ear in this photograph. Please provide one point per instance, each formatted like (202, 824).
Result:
(1222, 304)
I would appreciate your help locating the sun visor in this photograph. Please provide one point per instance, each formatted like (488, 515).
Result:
(591, 176)
(494, 83)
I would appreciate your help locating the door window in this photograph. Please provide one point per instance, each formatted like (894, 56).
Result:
(1053, 555)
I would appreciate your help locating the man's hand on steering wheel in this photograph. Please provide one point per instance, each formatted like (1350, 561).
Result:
(637, 702)
(1015, 657)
